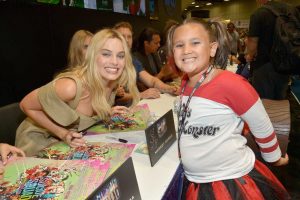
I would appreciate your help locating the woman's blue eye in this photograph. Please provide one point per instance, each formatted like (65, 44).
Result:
(121, 55)
(106, 54)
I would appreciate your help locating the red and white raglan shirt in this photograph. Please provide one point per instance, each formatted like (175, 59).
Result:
(212, 147)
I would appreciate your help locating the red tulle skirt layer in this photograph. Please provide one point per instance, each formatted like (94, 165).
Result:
(259, 184)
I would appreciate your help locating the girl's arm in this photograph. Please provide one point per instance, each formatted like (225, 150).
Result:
(261, 127)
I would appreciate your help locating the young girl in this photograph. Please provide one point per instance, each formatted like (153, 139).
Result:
(213, 107)
(78, 98)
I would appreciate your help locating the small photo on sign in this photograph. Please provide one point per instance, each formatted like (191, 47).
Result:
(160, 136)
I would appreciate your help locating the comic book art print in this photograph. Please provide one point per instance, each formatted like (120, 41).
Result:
(112, 154)
(34, 178)
(137, 119)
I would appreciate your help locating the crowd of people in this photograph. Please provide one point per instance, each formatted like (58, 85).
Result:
(106, 75)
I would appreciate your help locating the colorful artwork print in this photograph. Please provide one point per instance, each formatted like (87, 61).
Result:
(111, 154)
(100, 151)
(62, 151)
(142, 148)
(33, 178)
(136, 120)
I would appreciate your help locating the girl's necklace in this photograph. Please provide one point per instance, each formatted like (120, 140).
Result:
(184, 108)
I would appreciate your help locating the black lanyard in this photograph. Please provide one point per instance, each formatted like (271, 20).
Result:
(184, 108)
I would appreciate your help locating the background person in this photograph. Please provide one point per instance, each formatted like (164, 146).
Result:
(78, 47)
(268, 83)
(146, 53)
(155, 86)
(234, 39)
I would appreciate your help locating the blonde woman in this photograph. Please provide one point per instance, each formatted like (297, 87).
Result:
(76, 99)
(78, 47)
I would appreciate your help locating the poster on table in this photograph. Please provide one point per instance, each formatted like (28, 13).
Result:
(110, 154)
(122, 184)
(160, 136)
(34, 178)
(136, 120)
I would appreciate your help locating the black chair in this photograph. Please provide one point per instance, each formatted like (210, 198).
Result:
(10, 118)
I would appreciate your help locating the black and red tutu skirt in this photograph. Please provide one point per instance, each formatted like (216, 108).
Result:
(259, 184)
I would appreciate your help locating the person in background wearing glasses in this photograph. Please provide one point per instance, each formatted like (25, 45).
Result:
(155, 86)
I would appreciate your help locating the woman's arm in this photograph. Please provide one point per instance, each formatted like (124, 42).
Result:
(153, 82)
(65, 89)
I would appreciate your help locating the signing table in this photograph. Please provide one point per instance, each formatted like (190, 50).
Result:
(153, 181)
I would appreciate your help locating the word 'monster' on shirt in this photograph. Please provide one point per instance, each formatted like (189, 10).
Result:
(196, 131)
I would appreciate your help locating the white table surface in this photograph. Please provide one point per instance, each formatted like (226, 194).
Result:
(152, 181)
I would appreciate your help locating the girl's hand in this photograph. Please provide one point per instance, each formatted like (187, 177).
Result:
(7, 150)
(119, 110)
(74, 139)
(282, 161)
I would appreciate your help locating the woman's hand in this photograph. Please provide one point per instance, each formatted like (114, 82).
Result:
(174, 90)
(120, 92)
(282, 161)
(119, 110)
(74, 139)
(7, 150)
(150, 93)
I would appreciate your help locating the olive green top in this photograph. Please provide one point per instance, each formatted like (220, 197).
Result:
(31, 137)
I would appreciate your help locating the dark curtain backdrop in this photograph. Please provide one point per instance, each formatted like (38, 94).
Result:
(34, 41)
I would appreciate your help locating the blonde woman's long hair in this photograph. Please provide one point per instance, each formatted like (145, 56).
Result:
(75, 56)
(89, 74)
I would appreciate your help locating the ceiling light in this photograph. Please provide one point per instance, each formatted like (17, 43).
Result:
(197, 6)
(226, 0)
(193, 2)
(208, 4)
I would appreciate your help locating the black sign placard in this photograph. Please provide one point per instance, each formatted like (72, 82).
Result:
(160, 136)
(122, 184)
